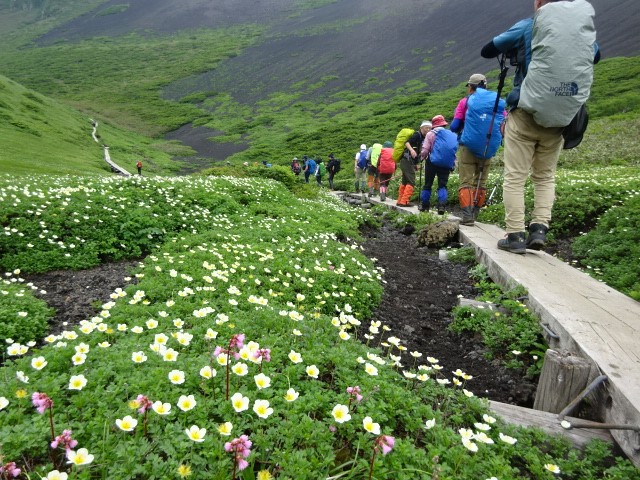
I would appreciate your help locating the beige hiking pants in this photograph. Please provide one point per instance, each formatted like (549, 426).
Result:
(529, 147)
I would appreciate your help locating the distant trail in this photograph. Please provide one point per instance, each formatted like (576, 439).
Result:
(107, 158)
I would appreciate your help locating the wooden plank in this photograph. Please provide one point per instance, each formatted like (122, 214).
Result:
(549, 423)
(591, 320)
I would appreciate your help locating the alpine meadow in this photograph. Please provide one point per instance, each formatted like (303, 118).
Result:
(240, 343)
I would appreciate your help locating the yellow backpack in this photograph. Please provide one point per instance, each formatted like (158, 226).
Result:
(398, 144)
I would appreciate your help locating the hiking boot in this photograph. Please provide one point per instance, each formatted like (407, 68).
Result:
(383, 196)
(537, 236)
(424, 207)
(370, 192)
(514, 243)
(467, 217)
(441, 210)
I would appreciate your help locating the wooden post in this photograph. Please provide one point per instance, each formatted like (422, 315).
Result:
(562, 379)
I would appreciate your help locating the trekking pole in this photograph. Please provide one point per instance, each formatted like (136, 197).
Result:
(503, 74)
(494, 190)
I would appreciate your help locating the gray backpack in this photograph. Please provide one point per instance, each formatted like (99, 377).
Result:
(560, 74)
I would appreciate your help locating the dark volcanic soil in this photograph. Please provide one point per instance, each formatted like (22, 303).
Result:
(420, 291)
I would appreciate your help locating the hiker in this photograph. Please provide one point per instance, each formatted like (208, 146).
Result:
(373, 181)
(529, 145)
(320, 171)
(478, 127)
(333, 167)
(139, 167)
(295, 166)
(409, 163)
(360, 168)
(386, 167)
(309, 168)
(439, 153)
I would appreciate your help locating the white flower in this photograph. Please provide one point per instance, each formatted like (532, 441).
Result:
(240, 369)
(170, 355)
(341, 413)
(207, 372)
(56, 475)
(507, 439)
(262, 381)
(552, 468)
(3, 402)
(239, 402)
(38, 363)
(196, 434)
(262, 408)
(186, 402)
(370, 426)
(290, 396)
(127, 423)
(79, 457)
(488, 418)
(482, 437)
(295, 357)
(470, 445)
(312, 371)
(138, 357)
(370, 369)
(77, 382)
(225, 428)
(161, 408)
(176, 377)
(429, 424)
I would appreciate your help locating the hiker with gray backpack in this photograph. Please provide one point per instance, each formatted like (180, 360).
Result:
(554, 54)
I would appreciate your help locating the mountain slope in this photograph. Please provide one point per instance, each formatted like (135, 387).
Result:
(34, 128)
(362, 45)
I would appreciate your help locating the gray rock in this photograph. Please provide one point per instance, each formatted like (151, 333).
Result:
(437, 235)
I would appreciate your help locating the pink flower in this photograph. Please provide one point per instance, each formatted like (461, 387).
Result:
(41, 401)
(264, 353)
(65, 441)
(237, 341)
(144, 403)
(386, 442)
(354, 392)
(241, 448)
(9, 469)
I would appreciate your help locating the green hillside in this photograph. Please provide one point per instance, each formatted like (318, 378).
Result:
(42, 135)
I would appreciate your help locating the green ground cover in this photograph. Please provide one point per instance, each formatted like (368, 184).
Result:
(242, 322)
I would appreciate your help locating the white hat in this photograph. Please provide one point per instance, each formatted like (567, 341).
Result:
(426, 123)
(363, 147)
(477, 79)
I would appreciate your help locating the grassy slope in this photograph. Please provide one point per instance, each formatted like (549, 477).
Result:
(126, 91)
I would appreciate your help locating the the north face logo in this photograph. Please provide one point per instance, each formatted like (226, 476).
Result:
(566, 89)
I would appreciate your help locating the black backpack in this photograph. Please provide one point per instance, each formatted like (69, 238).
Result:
(574, 132)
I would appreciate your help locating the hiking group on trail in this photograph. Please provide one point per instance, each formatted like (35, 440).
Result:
(553, 53)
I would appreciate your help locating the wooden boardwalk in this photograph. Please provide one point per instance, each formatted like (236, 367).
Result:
(582, 316)
(579, 315)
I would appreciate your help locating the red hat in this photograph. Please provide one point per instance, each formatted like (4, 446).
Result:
(438, 121)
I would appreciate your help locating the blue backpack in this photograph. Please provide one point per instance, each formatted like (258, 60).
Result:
(311, 166)
(477, 121)
(444, 149)
(362, 161)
